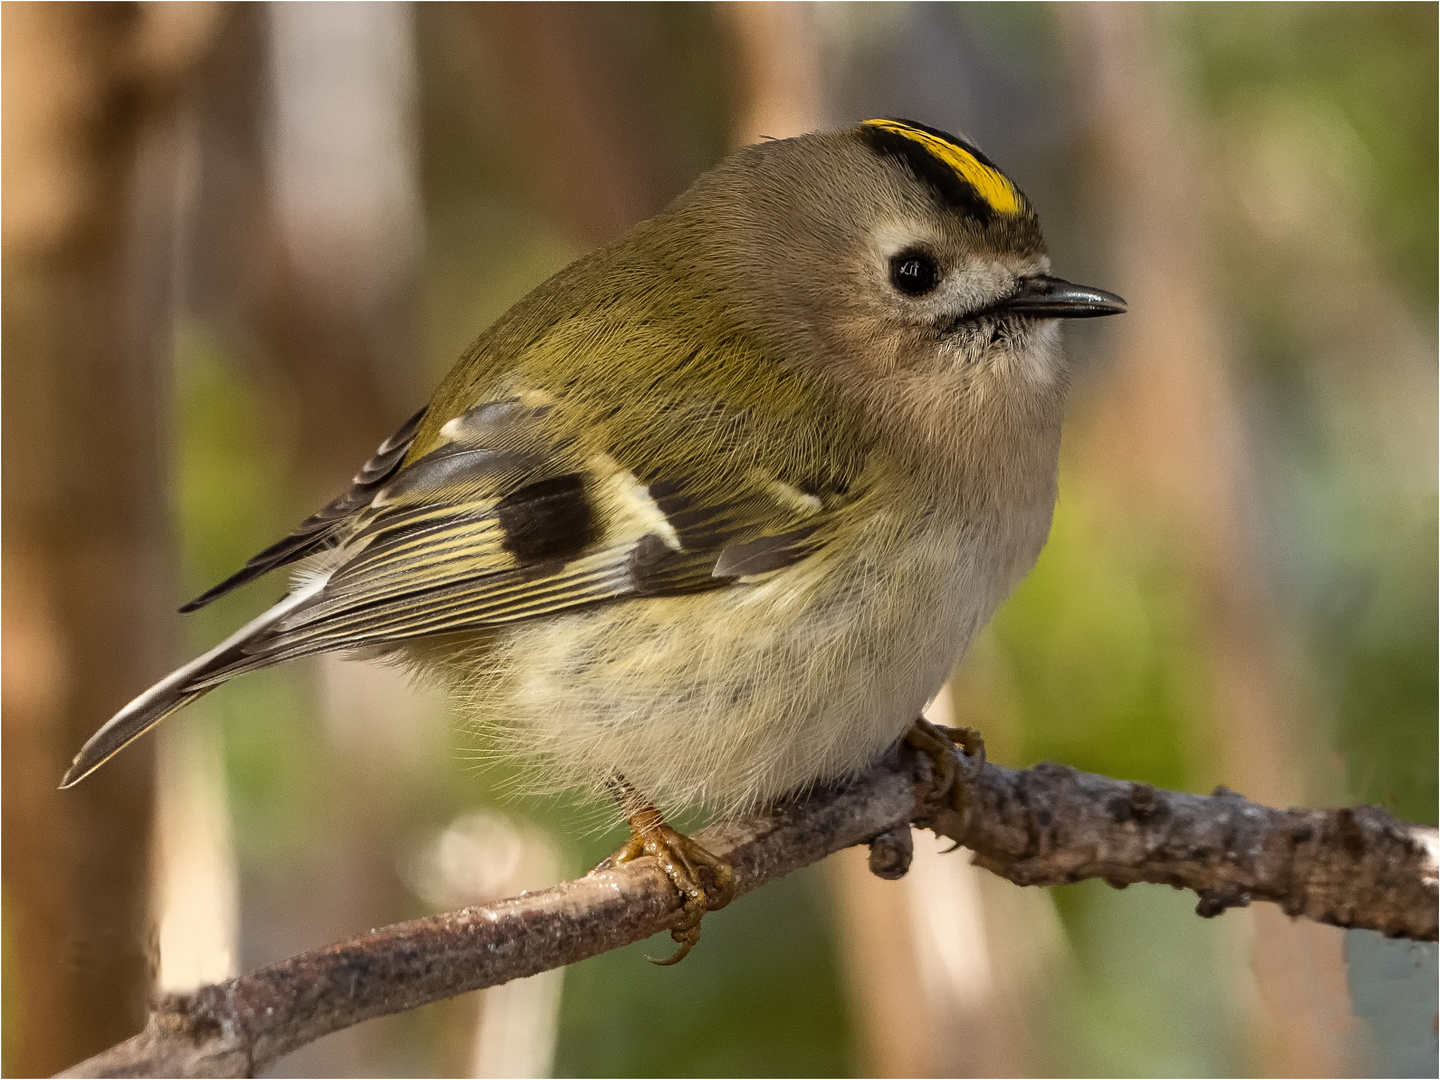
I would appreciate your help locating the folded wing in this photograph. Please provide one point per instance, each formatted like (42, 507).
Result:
(508, 517)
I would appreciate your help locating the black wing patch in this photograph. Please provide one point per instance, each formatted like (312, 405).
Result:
(320, 526)
(551, 520)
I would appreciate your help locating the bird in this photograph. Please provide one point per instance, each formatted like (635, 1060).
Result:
(706, 518)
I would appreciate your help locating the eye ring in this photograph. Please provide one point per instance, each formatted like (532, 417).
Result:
(914, 273)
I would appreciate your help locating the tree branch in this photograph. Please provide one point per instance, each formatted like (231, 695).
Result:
(1049, 825)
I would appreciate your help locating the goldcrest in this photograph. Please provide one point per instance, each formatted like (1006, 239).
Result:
(712, 513)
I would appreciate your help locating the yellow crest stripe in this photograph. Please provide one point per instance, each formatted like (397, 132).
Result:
(990, 184)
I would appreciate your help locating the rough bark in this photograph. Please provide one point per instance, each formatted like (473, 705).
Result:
(1047, 825)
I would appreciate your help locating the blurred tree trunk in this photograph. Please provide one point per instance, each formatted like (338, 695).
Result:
(87, 91)
(775, 50)
(338, 316)
(573, 119)
(1165, 448)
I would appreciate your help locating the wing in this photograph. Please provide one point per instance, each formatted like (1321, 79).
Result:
(565, 462)
(514, 516)
(320, 527)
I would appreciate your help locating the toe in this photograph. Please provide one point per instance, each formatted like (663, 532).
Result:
(704, 882)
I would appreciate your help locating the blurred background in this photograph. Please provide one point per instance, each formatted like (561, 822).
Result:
(241, 243)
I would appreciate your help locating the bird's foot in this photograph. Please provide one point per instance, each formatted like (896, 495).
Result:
(957, 755)
(705, 883)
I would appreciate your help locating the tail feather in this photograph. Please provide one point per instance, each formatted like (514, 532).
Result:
(181, 687)
(126, 726)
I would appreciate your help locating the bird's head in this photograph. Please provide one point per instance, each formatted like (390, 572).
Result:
(893, 255)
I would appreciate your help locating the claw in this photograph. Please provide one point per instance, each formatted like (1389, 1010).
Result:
(705, 883)
(958, 755)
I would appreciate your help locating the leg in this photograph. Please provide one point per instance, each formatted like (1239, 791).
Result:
(704, 882)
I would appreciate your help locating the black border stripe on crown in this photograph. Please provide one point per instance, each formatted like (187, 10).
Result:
(949, 186)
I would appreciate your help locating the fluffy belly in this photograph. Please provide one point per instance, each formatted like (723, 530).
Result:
(728, 699)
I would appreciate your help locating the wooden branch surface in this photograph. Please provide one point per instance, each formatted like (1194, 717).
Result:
(1049, 825)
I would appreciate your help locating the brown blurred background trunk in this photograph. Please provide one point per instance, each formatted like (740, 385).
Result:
(1164, 452)
(87, 93)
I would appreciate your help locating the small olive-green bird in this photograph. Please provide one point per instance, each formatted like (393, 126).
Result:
(710, 515)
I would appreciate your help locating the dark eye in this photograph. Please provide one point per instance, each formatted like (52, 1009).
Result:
(913, 273)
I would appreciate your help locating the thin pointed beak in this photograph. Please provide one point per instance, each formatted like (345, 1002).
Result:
(1046, 297)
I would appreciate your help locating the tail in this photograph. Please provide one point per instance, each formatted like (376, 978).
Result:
(181, 687)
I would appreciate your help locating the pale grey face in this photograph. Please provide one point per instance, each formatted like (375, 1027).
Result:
(940, 302)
